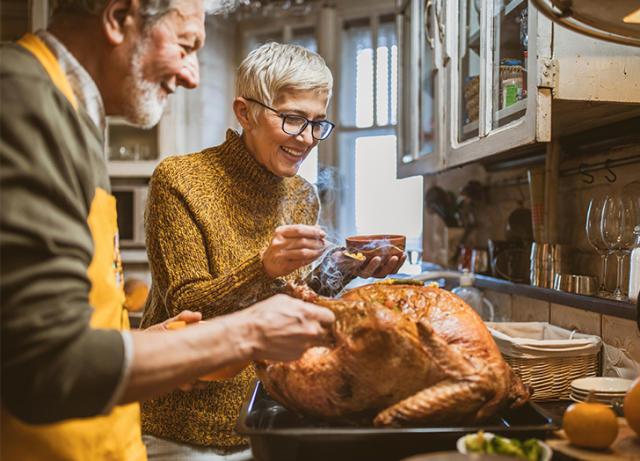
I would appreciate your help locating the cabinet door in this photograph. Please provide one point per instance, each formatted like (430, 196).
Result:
(490, 75)
(420, 124)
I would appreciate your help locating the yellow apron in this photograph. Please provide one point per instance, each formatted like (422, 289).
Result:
(111, 437)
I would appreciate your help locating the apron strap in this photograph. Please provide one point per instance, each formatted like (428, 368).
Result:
(50, 63)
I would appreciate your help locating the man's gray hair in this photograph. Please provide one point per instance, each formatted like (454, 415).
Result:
(151, 10)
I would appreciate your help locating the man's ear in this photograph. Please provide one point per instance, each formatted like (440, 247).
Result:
(241, 109)
(117, 17)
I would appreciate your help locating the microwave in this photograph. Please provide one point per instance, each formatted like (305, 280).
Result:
(130, 203)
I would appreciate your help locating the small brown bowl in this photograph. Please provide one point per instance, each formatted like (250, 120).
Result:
(377, 245)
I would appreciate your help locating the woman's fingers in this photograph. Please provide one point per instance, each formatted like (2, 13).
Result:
(301, 231)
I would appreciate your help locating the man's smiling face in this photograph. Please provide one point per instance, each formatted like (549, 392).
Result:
(164, 59)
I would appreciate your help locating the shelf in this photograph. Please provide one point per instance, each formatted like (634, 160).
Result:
(133, 255)
(588, 303)
(500, 115)
(131, 169)
(119, 121)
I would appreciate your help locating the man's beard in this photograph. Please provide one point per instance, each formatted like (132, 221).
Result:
(146, 100)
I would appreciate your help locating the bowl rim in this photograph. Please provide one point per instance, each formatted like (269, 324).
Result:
(377, 240)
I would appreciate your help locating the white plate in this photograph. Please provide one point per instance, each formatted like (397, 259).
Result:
(602, 384)
(598, 394)
(545, 455)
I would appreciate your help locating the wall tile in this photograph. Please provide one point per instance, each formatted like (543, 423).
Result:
(529, 310)
(502, 305)
(623, 334)
(575, 319)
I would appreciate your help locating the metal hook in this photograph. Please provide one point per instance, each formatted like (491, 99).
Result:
(606, 165)
(586, 175)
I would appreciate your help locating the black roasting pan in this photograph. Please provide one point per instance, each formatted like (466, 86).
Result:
(276, 434)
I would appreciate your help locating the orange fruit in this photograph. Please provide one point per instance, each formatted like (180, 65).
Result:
(590, 424)
(632, 406)
(135, 292)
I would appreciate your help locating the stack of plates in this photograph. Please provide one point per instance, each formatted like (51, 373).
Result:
(605, 390)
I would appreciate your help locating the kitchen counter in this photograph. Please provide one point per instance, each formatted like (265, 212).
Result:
(626, 446)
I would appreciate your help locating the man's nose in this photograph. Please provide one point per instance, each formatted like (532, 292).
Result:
(189, 75)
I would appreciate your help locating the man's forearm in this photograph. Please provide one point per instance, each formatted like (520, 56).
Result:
(164, 360)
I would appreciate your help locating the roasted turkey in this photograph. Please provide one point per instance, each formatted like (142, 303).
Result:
(403, 355)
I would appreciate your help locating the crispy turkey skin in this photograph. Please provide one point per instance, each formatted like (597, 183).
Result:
(403, 355)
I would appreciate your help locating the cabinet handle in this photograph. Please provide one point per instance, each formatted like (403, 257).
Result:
(427, 21)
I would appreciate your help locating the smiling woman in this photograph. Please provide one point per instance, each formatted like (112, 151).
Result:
(215, 235)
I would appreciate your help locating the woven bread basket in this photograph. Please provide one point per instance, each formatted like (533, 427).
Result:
(547, 357)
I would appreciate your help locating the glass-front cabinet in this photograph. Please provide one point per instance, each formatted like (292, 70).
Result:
(489, 79)
(420, 74)
(472, 96)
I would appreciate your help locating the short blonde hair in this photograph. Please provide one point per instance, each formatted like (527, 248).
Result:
(274, 68)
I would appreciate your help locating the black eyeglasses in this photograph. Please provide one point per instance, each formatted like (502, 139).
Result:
(294, 124)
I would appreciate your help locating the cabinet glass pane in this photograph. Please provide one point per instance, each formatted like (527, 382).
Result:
(509, 61)
(469, 68)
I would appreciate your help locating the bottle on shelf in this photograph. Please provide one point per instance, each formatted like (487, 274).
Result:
(474, 297)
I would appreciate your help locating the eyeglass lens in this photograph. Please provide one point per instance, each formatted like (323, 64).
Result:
(294, 125)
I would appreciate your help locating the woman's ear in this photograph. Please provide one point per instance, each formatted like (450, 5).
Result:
(241, 109)
(118, 16)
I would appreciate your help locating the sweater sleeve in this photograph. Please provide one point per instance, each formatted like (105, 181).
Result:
(179, 260)
(54, 365)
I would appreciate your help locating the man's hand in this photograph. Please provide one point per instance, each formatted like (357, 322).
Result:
(281, 328)
(292, 247)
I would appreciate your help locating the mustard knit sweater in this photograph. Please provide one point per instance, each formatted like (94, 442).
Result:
(209, 216)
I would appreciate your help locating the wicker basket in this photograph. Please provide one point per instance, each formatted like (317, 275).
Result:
(547, 357)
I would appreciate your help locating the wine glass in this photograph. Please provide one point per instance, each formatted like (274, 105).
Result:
(618, 219)
(594, 237)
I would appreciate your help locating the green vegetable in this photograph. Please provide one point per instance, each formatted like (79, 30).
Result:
(509, 447)
(532, 449)
(476, 443)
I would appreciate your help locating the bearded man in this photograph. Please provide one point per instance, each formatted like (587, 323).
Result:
(72, 373)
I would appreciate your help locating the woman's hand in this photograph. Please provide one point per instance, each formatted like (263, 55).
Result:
(292, 247)
(378, 266)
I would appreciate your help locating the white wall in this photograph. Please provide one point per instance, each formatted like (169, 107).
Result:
(206, 110)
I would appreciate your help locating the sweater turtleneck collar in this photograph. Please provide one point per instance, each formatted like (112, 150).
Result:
(242, 165)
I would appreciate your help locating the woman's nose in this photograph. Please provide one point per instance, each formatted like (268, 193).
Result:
(306, 135)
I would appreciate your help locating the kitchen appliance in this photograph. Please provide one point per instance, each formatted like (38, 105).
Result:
(276, 434)
(130, 203)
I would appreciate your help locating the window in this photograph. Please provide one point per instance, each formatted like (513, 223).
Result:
(374, 201)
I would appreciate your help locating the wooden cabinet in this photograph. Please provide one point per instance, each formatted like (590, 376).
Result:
(499, 77)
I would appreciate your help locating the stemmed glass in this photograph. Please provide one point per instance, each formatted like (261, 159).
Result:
(594, 237)
(618, 219)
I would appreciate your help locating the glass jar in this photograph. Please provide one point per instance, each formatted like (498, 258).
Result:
(634, 267)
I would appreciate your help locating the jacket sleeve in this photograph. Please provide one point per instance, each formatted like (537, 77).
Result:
(54, 365)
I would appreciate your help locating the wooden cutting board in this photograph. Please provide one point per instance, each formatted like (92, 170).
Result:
(626, 447)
